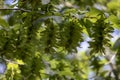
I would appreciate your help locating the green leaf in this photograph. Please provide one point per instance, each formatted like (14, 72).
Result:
(113, 5)
(93, 12)
(66, 72)
(53, 64)
(115, 21)
(3, 23)
(20, 62)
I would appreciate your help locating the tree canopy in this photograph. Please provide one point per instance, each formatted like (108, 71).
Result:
(41, 39)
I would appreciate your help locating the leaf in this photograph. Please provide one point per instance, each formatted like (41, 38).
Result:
(66, 72)
(115, 21)
(113, 5)
(93, 12)
(3, 23)
(53, 64)
(20, 62)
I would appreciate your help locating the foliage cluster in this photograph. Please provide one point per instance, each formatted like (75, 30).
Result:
(39, 39)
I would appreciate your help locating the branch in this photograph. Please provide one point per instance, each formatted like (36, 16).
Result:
(114, 70)
(19, 9)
